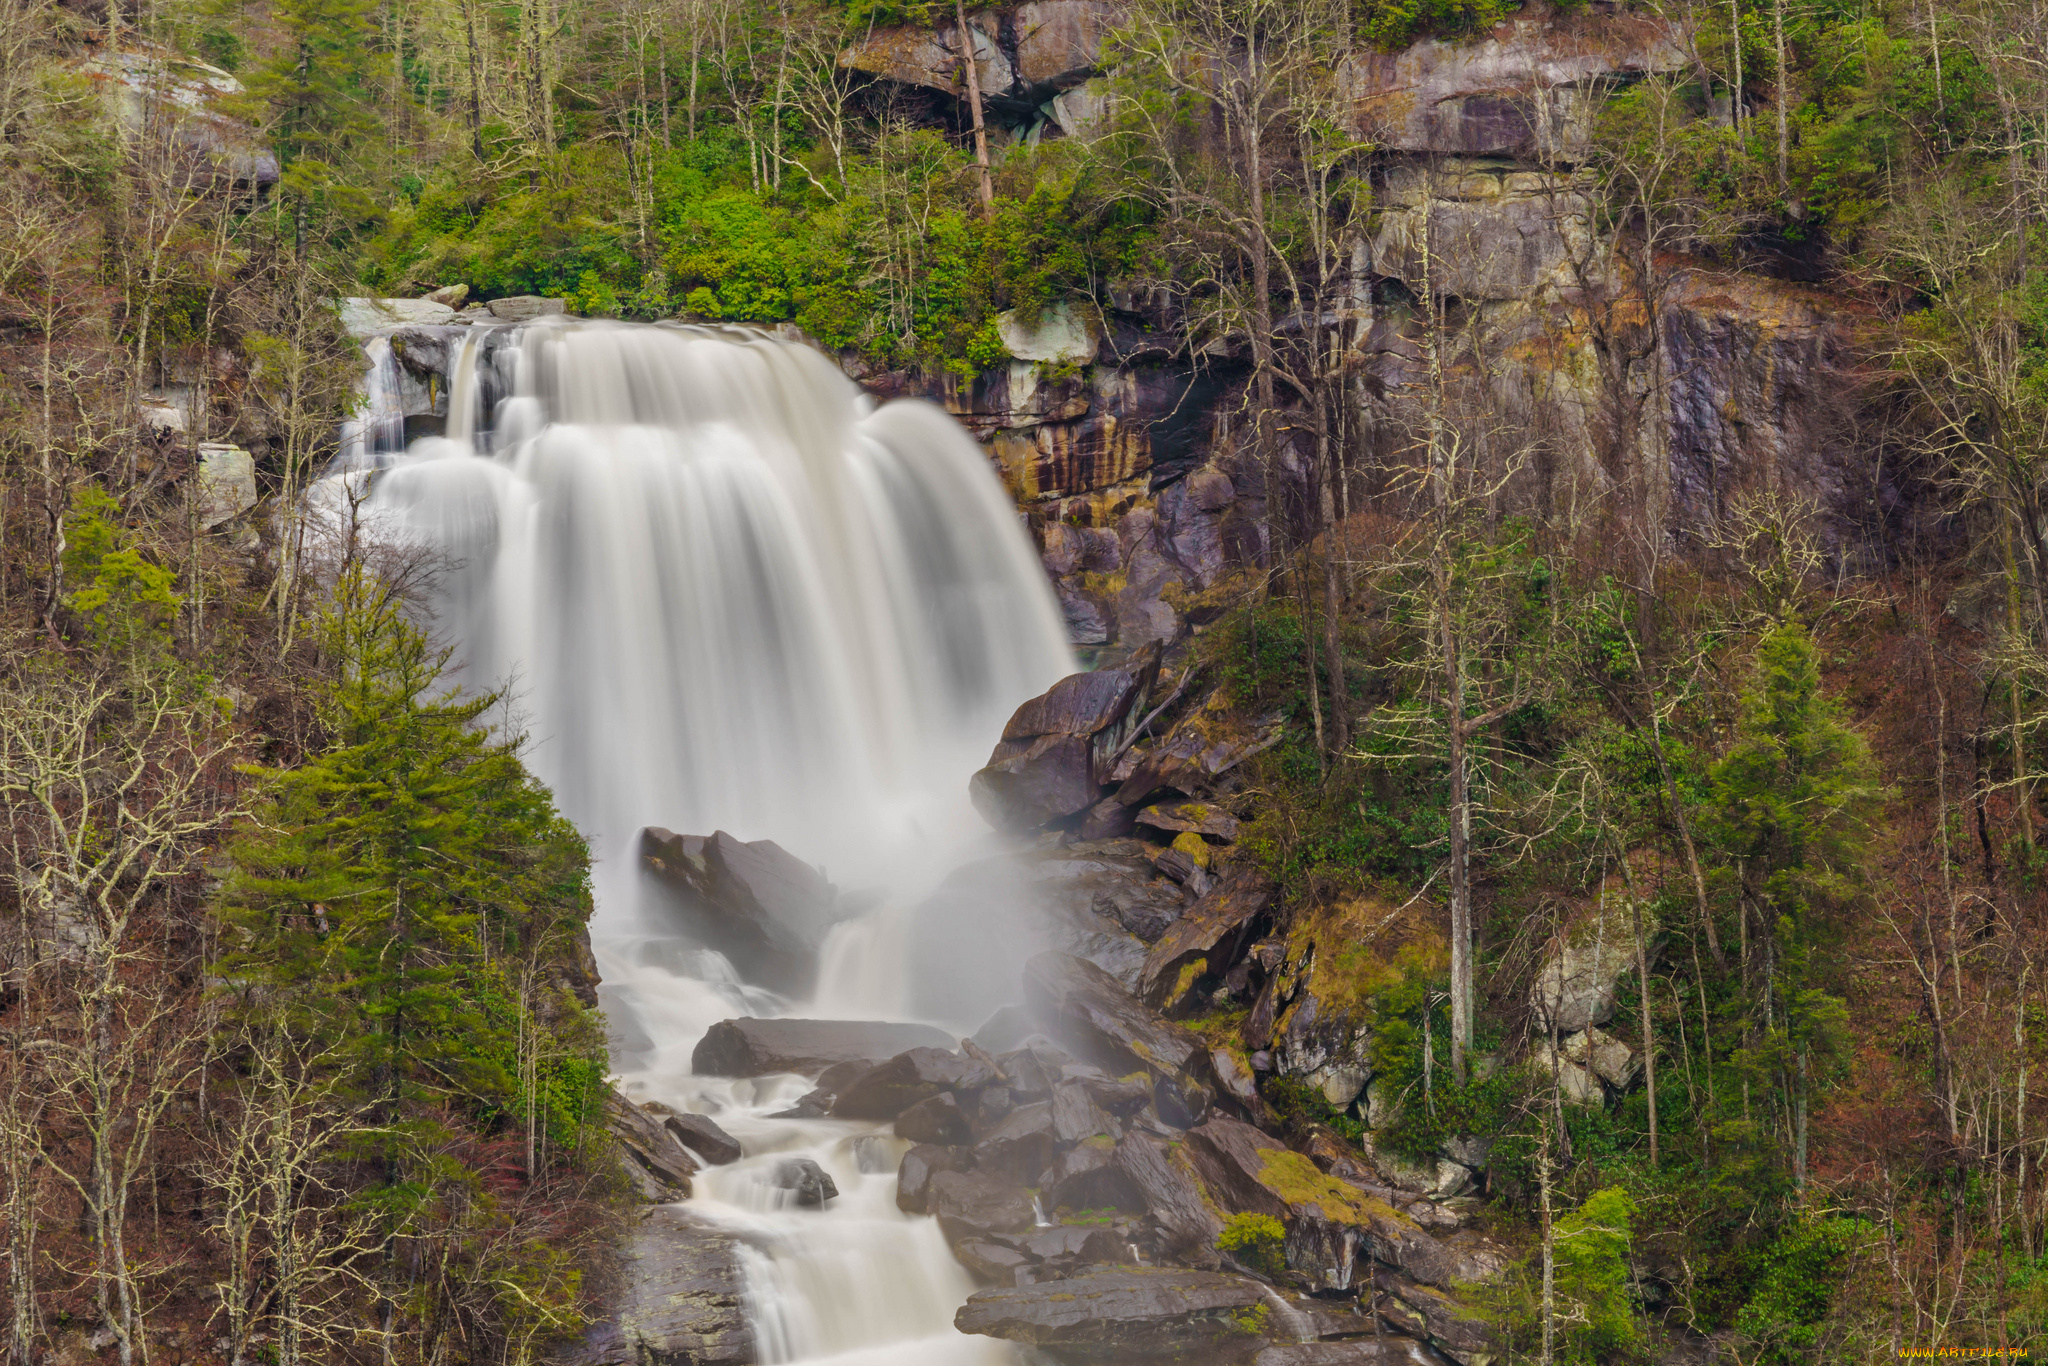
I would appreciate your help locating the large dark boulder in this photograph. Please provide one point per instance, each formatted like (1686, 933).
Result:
(656, 1164)
(1022, 1146)
(1172, 1193)
(974, 1203)
(754, 1048)
(1086, 1177)
(914, 1174)
(761, 906)
(703, 1137)
(1057, 750)
(914, 1075)
(935, 1120)
(1088, 1010)
(680, 1302)
(1124, 1317)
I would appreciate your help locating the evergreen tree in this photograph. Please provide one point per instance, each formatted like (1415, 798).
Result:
(403, 877)
(1791, 805)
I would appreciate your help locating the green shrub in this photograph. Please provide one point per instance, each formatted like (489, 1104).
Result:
(1259, 1241)
(1799, 1275)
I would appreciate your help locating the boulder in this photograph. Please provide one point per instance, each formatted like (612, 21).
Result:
(1022, 1146)
(1086, 1177)
(1198, 818)
(1207, 938)
(661, 1169)
(703, 1137)
(915, 1075)
(764, 908)
(520, 308)
(1173, 1196)
(1124, 1317)
(1607, 1057)
(1575, 986)
(1060, 334)
(974, 1203)
(991, 1262)
(367, 317)
(1046, 781)
(1581, 1086)
(919, 1166)
(812, 1183)
(1459, 1331)
(1004, 1030)
(681, 1299)
(754, 1048)
(936, 1119)
(1205, 745)
(1057, 748)
(1076, 1116)
(227, 483)
(450, 296)
(1085, 1007)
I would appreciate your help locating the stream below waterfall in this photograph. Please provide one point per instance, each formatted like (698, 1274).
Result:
(728, 592)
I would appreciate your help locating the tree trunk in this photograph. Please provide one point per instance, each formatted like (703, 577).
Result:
(972, 77)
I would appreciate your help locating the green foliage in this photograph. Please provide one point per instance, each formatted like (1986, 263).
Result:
(1299, 1105)
(405, 882)
(1257, 1240)
(1392, 24)
(126, 601)
(1592, 1275)
(1795, 1285)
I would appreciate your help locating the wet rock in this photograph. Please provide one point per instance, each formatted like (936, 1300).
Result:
(1086, 1177)
(1108, 819)
(912, 1076)
(367, 317)
(936, 1119)
(1056, 749)
(1199, 818)
(450, 296)
(1129, 1316)
(1206, 744)
(1459, 1331)
(755, 902)
(703, 1137)
(991, 1262)
(1076, 1116)
(1022, 1146)
(753, 1048)
(1041, 783)
(812, 1184)
(1173, 1195)
(657, 1163)
(919, 1166)
(974, 1203)
(681, 1300)
(1085, 1007)
(1575, 986)
(1236, 1079)
(1207, 937)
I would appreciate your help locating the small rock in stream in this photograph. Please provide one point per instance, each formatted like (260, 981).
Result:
(812, 1183)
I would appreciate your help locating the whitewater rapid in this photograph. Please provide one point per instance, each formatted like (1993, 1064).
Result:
(727, 591)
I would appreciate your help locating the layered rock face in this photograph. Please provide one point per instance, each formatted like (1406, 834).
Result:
(1113, 428)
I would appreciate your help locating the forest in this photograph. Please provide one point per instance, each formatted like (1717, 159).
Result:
(302, 1056)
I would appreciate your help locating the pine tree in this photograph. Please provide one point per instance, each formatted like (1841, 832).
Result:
(401, 875)
(1791, 808)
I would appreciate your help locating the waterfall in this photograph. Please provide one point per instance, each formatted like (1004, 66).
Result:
(728, 592)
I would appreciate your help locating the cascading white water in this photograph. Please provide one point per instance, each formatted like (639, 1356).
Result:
(729, 592)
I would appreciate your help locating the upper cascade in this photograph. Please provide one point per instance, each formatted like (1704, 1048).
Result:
(723, 587)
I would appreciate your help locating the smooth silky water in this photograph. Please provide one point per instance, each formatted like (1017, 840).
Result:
(728, 592)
